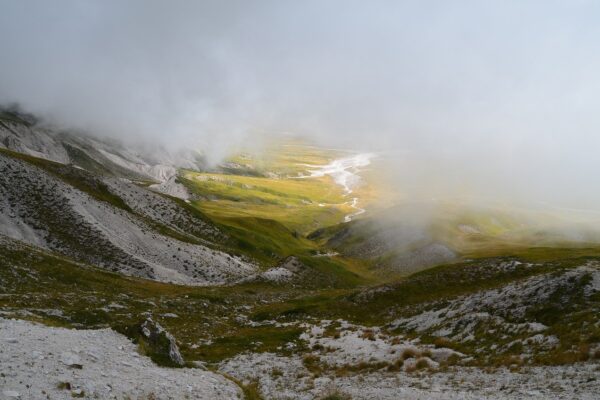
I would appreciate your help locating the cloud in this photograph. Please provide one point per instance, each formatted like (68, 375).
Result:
(493, 99)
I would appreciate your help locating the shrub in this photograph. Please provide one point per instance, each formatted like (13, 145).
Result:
(442, 342)
(422, 363)
(409, 353)
(368, 334)
(396, 366)
(313, 364)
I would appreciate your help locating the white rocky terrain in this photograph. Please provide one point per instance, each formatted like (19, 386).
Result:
(39, 208)
(172, 188)
(38, 142)
(162, 209)
(391, 362)
(39, 362)
(351, 361)
(288, 378)
(363, 363)
(504, 311)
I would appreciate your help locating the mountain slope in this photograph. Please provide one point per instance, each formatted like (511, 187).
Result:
(103, 204)
(91, 221)
(24, 134)
(228, 266)
(410, 237)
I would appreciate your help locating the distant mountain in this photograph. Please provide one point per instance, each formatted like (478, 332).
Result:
(21, 132)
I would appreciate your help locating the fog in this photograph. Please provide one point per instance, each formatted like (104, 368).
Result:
(495, 100)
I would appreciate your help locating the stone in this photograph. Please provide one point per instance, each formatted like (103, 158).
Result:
(71, 360)
(159, 343)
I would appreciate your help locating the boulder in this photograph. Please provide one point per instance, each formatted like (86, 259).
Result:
(71, 360)
(159, 344)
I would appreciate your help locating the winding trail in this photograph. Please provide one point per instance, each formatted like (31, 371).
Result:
(344, 172)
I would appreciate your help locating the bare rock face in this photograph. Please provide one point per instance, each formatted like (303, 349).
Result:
(172, 187)
(294, 265)
(159, 344)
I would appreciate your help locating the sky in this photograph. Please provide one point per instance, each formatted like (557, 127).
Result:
(496, 99)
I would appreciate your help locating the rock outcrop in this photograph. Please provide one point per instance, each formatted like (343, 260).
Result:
(159, 344)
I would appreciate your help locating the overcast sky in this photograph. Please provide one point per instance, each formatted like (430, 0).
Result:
(485, 97)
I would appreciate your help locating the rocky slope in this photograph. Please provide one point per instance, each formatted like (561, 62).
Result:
(42, 209)
(532, 334)
(23, 133)
(286, 378)
(39, 362)
(111, 222)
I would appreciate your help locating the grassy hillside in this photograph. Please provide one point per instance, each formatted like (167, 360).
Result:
(212, 324)
(209, 323)
(276, 191)
(269, 204)
(299, 204)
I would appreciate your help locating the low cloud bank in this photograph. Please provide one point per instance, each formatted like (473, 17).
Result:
(493, 99)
